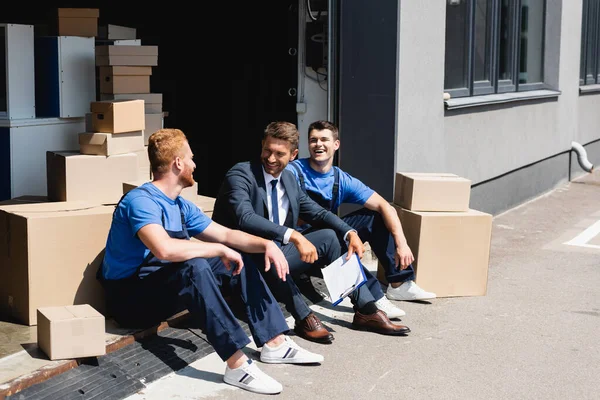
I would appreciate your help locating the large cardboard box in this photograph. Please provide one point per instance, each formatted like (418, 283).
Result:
(73, 176)
(123, 79)
(153, 102)
(49, 255)
(421, 191)
(71, 332)
(118, 116)
(78, 22)
(451, 249)
(144, 171)
(107, 144)
(126, 55)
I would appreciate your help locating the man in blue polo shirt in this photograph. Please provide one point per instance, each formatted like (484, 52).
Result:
(377, 222)
(152, 270)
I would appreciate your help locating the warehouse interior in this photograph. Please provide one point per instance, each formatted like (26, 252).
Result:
(225, 70)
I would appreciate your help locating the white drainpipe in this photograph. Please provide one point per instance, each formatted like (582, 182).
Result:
(582, 157)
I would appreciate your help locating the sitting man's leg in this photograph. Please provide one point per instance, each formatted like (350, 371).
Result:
(371, 228)
(308, 325)
(191, 285)
(366, 316)
(265, 318)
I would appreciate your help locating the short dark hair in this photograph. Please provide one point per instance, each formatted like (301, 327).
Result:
(322, 125)
(284, 131)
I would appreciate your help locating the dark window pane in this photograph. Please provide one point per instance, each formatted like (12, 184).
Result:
(483, 40)
(532, 41)
(584, 28)
(505, 56)
(3, 105)
(456, 64)
(592, 25)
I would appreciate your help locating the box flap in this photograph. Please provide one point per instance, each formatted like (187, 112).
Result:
(105, 106)
(93, 138)
(84, 311)
(126, 50)
(56, 313)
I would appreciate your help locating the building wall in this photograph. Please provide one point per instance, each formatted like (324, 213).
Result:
(512, 152)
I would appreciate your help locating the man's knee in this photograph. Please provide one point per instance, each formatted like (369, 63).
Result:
(197, 267)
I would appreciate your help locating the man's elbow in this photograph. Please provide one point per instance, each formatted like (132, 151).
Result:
(162, 252)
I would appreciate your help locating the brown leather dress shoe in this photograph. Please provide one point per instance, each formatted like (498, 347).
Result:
(379, 323)
(311, 328)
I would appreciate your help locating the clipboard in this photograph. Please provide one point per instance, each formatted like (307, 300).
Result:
(343, 277)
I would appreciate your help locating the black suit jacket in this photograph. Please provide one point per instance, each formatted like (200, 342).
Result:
(242, 204)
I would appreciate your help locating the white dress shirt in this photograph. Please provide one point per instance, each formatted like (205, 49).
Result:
(282, 200)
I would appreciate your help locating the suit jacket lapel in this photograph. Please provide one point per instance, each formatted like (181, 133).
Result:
(291, 189)
(257, 170)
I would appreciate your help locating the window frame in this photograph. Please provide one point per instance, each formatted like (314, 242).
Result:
(590, 36)
(495, 85)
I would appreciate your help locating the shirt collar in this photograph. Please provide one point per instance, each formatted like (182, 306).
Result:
(269, 177)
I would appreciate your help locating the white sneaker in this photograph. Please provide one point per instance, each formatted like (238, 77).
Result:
(387, 307)
(249, 377)
(288, 352)
(409, 290)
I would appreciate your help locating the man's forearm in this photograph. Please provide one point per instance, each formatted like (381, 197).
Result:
(245, 242)
(393, 224)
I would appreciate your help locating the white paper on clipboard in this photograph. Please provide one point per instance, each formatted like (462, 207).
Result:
(343, 277)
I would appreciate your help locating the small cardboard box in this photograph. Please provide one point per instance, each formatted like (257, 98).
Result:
(123, 79)
(71, 332)
(451, 249)
(118, 116)
(419, 191)
(116, 32)
(78, 22)
(127, 55)
(107, 144)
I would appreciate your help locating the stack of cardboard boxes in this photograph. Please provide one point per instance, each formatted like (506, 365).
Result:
(124, 70)
(450, 241)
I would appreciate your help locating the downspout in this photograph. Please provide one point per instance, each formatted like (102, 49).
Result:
(582, 157)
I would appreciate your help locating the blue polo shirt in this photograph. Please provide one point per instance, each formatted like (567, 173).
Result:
(351, 190)
(142, 206)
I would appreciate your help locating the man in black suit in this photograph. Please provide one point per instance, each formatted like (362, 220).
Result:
(246, 200)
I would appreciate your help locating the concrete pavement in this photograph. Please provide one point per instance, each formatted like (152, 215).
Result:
(533, 336)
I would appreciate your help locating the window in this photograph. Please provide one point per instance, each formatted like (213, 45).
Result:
(3, 104)
(590, 43)
(494, 46)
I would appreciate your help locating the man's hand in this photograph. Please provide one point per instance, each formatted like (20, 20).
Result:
(404, 256)
(230, 256)
(308, 252)
(355, 245)
(273, 254)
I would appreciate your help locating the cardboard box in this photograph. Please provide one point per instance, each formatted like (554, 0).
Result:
(107, 144)
(78, 22)
(451, 249)
(144, 171)
(49, 255)
(118, 116)
(73, 176)
(153, 122)
(116, 32)
(71, 332)
(153, 102)
(189, 193)
(120, 79)
(432, 191)
(126, 55)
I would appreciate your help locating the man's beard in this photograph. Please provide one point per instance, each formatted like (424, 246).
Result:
(187, 178)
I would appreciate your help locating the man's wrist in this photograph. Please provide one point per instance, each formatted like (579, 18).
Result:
(349, 232)
(287, 235)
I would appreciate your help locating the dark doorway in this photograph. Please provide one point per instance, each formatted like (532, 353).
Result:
(224, 70)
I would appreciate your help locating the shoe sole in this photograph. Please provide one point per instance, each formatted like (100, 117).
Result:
(289, 361)
(324, 340)
(248, 388)
(402, 299)
(388, 333)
